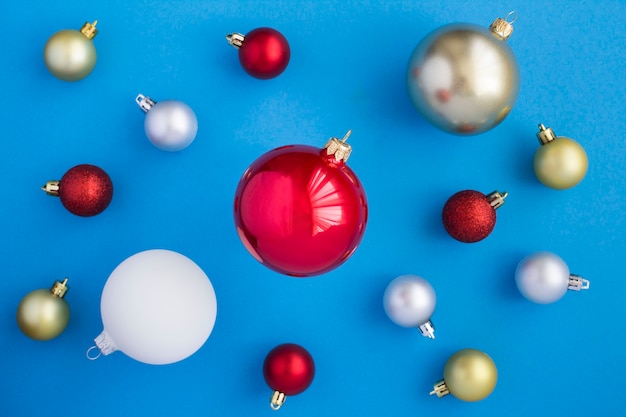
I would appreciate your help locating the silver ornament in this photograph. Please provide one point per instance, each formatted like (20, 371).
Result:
(170, 125)
(464, 78)
(544, 278)
(409, 301)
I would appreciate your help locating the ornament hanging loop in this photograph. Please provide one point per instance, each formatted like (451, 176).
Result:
(346, 136)
(511, 17)
(88, 354)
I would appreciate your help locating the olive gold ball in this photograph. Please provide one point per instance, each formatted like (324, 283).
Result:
(470, 375)
(69, 55)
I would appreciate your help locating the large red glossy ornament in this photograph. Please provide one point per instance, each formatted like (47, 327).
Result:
(288, 370)
(469, 216)
(301, 210)
(84, 190)
(263, 53)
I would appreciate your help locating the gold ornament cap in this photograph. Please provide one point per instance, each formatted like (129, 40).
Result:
(496, 198)
(277, 400)
(545, 134)
(235, 39)
(89, 29)
(339, 148)
(59, 289)
(503, 28)
(440, 389)
(51, 188)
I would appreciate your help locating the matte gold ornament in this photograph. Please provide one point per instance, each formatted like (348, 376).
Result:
(469, 375)
(70, 54)
(44, 314)
(464, 78)
(560, 162)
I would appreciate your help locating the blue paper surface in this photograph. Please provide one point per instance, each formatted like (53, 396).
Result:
(347, 71)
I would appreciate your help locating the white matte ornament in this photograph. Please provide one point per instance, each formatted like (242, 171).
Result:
(409, 301)
(544, 278)
(170, 125)
(158, 307)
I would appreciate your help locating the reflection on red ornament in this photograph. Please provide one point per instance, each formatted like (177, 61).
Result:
(301, 210)
(470, 216)
(288, 369)
(84, 190)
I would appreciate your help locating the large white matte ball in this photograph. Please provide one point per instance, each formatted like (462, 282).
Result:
(158, 307)
(171, 125)
(409, 301)
(542, 277)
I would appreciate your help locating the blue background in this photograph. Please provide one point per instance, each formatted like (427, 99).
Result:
(347, 71)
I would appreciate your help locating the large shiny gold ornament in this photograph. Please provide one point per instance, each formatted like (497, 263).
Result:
(469, 375)
(70, 54)
(560, 162)
(464, 78)
(44, 314)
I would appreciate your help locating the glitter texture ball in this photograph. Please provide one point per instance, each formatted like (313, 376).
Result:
(468, 216)
(85, 190)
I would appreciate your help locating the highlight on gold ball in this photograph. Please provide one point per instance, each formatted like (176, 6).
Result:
(44, 314)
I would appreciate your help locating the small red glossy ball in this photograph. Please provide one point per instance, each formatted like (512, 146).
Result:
(85, 190)
(289, 368)
(264, 53)
(299, 211)
(468, 216)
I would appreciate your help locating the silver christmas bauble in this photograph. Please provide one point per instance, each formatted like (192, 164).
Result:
(409, 301)
(170, 125)
(542, 277)
(464, 78)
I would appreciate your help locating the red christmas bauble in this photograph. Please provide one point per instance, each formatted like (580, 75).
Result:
(264, 53)
(300, 211)
(84, 190)
(289, 369)
(470, 216)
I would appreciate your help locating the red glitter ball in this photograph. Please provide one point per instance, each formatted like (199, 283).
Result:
(289, 369)
(85, 190)
(468, 216)
(264, 53)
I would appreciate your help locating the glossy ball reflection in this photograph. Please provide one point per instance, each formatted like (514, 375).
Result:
(299, 211)
(463, 79)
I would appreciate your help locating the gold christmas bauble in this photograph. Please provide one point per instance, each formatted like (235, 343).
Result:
(470, 375)
(70, 54)
(44, 314)
(560, 162)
